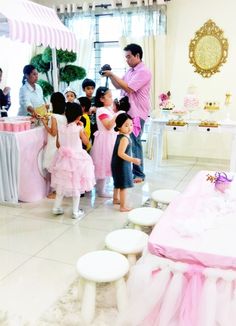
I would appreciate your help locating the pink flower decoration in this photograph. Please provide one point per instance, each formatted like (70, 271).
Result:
(163, 97)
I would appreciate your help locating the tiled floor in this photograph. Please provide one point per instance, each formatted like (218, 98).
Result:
(38, 251)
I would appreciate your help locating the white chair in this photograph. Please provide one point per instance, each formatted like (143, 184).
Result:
(163, 197)
(144, 216)
(128, 242)
(96, 267)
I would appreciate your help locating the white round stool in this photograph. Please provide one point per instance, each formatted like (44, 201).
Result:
(127, 242)
(163, 196)
(144, 216)
(96, 267)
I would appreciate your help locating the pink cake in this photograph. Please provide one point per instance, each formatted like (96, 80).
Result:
(191, 102)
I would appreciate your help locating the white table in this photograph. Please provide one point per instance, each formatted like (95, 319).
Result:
(159, 126)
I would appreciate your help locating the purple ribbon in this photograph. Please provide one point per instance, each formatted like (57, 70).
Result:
(222, 177)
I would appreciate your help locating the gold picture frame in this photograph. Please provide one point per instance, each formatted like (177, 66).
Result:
(208, 50)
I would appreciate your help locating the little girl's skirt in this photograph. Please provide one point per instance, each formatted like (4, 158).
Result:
(101, 152)
(72, 173)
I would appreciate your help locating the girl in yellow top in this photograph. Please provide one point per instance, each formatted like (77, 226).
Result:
(86, 105)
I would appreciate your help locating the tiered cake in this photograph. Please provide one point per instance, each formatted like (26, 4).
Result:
(191, 100)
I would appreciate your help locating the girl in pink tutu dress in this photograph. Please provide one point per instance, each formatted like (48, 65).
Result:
(72, 169)
(104, 140)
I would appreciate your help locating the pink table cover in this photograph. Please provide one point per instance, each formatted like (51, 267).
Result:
(198, 226)
(33, 185)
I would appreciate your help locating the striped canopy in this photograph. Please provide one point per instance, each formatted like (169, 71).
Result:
(32, 23)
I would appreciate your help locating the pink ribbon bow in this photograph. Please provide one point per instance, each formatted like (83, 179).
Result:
(66, 152)
(136, 126)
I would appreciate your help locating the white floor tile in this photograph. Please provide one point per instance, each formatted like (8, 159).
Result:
(28, 236)
(34, 287)
(10, 261)
(74, 243)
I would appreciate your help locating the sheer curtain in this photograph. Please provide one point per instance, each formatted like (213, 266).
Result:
(147, 27)
(83, 26)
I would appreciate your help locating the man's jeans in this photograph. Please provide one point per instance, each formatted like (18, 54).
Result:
(137, 152)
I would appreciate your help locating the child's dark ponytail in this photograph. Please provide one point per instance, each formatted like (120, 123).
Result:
(122, 104)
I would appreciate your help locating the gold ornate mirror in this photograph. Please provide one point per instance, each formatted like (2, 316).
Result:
(208, 50)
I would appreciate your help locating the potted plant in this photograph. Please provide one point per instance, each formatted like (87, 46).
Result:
(66, 72)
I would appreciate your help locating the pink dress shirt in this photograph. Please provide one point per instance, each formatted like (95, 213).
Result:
(139, 80)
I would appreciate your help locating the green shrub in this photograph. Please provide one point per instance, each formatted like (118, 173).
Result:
(62, 56)
(71, 73)
(40, 64)
(46, 87)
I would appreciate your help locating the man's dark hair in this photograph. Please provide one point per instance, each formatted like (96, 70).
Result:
(88, 82)
(134, 49)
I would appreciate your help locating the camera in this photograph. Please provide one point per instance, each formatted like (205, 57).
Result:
(103, 68)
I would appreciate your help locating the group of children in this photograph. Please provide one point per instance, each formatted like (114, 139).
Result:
(78, 156)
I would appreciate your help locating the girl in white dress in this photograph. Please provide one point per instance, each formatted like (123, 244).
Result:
(51, 125)
(56, 120)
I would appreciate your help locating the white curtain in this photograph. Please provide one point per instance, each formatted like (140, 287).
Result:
(83, 27)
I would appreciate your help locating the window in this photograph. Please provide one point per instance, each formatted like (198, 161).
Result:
(106, 49)
(106, 29)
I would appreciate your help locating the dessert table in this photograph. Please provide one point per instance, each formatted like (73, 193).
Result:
(21, 174)
(159, 126)
(187, 276)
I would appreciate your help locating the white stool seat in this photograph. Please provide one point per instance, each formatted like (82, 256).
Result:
(164, 196)
(102, 266)
(126, 241)
(145, 216)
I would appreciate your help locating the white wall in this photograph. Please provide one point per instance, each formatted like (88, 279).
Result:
(185, 17)
(14, 56)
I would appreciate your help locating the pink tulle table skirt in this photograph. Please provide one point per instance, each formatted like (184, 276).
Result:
(162, 292)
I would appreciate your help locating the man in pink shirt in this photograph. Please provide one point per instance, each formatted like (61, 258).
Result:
(136, 84)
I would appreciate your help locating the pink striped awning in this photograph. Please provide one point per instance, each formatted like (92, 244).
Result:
(36, 24)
